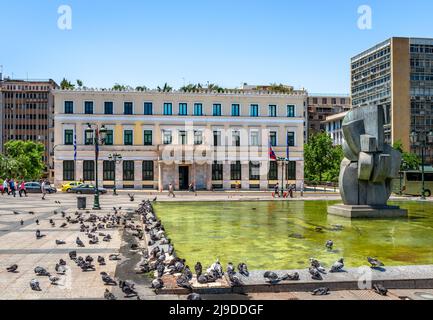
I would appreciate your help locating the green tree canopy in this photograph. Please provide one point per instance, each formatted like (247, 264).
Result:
(410, 161)
(322, 158)
(65, 84)
(22, 159)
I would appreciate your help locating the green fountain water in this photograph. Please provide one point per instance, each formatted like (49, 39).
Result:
(284, 235)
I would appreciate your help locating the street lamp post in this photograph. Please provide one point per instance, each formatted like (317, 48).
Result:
(116, 157)
(283, 163)
(97, 137)
(426, 139)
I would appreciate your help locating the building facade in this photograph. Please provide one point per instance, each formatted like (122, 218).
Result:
(322, 106)
(211, 140)
(27, 112)
(397, 74)
(333, 126)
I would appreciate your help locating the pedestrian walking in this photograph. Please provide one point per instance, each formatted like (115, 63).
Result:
(43, 189)
(22, 189)
(12, 187)
(171, 191)
(277, 190)
(5, 186)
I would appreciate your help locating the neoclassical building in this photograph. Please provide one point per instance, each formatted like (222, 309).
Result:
(212, 140)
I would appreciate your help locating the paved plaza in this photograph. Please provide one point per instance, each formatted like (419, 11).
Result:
(18, 245)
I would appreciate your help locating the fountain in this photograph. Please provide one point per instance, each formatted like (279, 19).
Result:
(368, 168)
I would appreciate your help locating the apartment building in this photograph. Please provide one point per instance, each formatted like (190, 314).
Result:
(27, 109)
(397, 74)
(334, 127)
(321, 106)
(208, 139)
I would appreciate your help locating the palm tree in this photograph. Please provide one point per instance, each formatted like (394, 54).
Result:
(66, 85)
(79, 83)
(166, 88)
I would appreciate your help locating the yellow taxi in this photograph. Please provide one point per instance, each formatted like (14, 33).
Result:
(68, 186)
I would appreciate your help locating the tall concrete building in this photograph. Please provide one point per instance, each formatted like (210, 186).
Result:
(397, 74)
(212, 140)
(321, 106)
(27, 110)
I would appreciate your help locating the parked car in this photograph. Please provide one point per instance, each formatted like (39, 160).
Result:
(68, 186)
(35, 187)
(87, 189)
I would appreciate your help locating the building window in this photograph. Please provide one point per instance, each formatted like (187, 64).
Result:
(236, 112)
(273, 170)
(88, 107)
(217, 138)
(182, 137)
(147, 138)
(217, 109)
(69, 170)
(88, 137)
(254, 110)
(128, 137)
(148, 109)
(236, 139)
(324, 101)
(108, 107)
(254, 138)
(254, 170)
(128, 170)
(198, 109)
(128, 108)
(273, 138)
(168, 109)
(342, 101)
(291, 139)
(69, 107)
(198, 137)
(315, 101)
(147, 170)
(69, 137)
(108, 168)
(333, 101)
(109, 138)
(217, 171)
(235, 171)
(167, 137)
(183, 109)
(291, 111)
(291, 170)
(88, 170)
(272, 110)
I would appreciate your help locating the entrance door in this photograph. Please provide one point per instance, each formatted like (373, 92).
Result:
(183, 178)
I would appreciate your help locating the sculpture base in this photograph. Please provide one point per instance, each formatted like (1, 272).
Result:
(365, 212)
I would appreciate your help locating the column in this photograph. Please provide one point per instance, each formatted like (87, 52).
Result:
(119, 175)
(208, 167)
(100, 173)
(176, 176)
(226, 175)
(79, 170)
(160, 186)
(245, 175)
(138, 175)
(264, 169)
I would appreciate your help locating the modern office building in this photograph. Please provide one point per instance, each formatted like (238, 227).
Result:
(333, 126)
(321, 106)
(212, 140)
(27, 110)
(397, 74)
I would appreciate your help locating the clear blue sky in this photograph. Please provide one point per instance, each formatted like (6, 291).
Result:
(228, 42)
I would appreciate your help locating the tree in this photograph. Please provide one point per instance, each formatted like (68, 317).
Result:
(322, 159)
(79, 83)
(141, 88)
(166, 88)
(410, 161)
(22, 159)
(66, 85)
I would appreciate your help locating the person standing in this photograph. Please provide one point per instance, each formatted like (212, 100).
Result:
(43, 189)
(22, 189)
(12, 187)
(5, 186)
(277, 190)
(171, 190)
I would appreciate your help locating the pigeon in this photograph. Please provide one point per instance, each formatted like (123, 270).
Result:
(60, 242)
(41, 272)
(31, 212)
(234, 280)
(198, 269)
(160, 269)
(320, 292)
(131, 197)
(183, 282)
(273, 278)
(34, 284)
(315, 274)
(37, 221)
(337, 266)
(127, 288)
(21, 222)
(60, 269)
(187, 273)
(154, 199)
(16, 212)
(193, 297)
(114, 257)
(157, 284)
(39, 235)
(293, 277)
(64, 225)
(230, 268)
(243, 269)
(89, 259)
(329, 244)
(73, 255)
(79, 242)
(101, 261)
(375, 263)
(54, 280)
(108, 295)
(380, 289)
(13, 268)
(62, 262)
(317, 265)
(107, 279)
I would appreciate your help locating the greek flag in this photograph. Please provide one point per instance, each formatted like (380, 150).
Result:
(75, 147)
